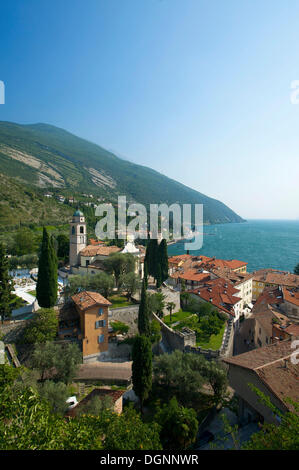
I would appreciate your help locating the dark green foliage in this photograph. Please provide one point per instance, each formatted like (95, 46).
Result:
(100, 282)
(119, 327)
(284, 436)
(163, 260)
(183, 375)
(63, 246)
(46, 287)
(179, 426)
(27, 422)
(42, 328)
(296, 269)
(24, 242)
(158, 276)
(120, 264)
(211, 324)
(56, 394)
(95, 406)
(25, 261)
(67, 363)
(142, 367)
(151, 257)
(170, 306)
(156, 303)
(63, 358)
(144, 313)
(145, 275)
(155, 327)
(6, 286)
(129, 283)
(128, 432)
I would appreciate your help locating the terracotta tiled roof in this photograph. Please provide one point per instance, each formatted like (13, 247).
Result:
(282, 379)
(87, 299)
(202, 262)
(178, 259)
(272, 276)
(222, 263)
(262, 356)
(97, 392)
(100, 250)
(191, 275)
(274, 367)
(293, 330)
(291, 296)
(94, 242)
(219, 293)
(234, 277)
(270, 295)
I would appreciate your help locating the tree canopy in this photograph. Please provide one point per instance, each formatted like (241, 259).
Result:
(42, 328)
(142, 367)
(46, 287)
(6, 286)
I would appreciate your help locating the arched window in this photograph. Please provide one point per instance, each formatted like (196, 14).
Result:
(73, 230)
(81, 229)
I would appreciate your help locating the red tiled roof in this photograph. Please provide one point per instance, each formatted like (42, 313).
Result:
(293, 330)
(191, 275)
(222, 263)
(101, 250)
(272, 276)
(178, 258)
(270, 295)
(94, 242)
(87, 299)
(223, 295)
(230, 275)
(273, 366)
(291, 296)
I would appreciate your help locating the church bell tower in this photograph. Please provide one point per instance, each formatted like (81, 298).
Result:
(77, 237)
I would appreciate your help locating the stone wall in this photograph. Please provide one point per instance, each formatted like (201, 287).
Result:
(128, 315)
(176, 339)
(12, 330)
(227, 346)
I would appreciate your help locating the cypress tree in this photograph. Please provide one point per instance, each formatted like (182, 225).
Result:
(144, 313)
(153, 258)
(158, 276)
(46, 287)
(6, 286)
(142, 368)
(145, 274)
(163, 260)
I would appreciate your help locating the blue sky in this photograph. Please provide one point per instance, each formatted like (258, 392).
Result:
(197, 89)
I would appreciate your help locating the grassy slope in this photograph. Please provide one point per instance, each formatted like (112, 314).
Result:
(69, 155)
(20, 204)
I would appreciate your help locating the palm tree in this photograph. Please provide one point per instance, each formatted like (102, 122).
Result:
(170, 306)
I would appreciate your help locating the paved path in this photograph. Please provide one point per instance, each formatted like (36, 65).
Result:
(222, 439)
(24, 294)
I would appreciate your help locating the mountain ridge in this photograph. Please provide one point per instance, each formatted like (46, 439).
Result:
(47, 157)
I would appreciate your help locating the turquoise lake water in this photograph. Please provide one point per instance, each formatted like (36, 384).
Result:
(261, 243)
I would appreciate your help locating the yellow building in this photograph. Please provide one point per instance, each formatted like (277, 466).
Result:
(272, 278)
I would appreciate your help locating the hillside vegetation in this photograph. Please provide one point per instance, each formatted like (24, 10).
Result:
(22, 205)
(44, 156)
